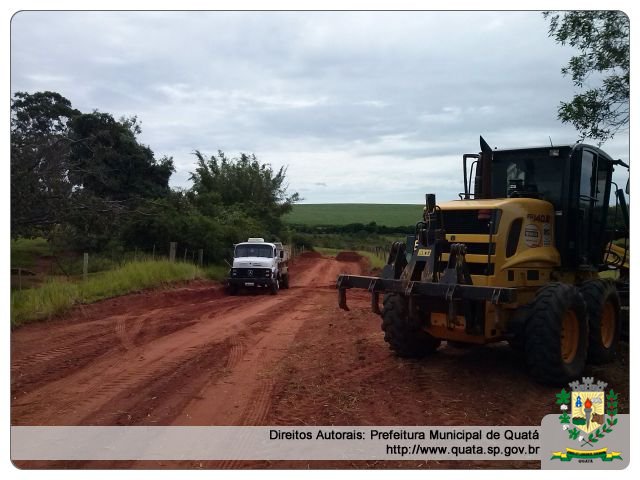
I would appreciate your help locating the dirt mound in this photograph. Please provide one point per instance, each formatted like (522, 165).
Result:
(348, 257)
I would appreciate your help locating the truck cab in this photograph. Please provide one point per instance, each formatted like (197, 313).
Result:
(257, 264)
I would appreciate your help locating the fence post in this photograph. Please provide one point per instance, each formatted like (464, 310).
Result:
(85, 267)
(153, 255)
(19, 278)
(200, 257)
(172, 251)
(185, 255)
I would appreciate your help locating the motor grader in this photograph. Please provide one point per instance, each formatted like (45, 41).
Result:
(519, 257)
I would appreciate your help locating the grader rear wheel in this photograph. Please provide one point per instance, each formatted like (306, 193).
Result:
(569, 336)
(603, 308)
(556, 334)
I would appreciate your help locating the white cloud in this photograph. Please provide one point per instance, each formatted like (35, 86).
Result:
(47, 79)
(377, 106)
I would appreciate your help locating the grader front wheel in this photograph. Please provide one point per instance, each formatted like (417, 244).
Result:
(404, 336)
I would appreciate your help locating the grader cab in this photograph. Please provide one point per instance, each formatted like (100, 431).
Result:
(520, 258)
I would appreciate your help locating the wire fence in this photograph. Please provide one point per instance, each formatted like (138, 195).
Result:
(83, 265)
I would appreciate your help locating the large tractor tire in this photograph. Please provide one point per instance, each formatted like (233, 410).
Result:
(603, 311)
(275, 286)
(285, 281)
(405, 337)
(557, 334)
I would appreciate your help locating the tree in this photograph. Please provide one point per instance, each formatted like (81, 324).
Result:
(40, 146)
(175, 218)
(85, 179)
(112, 174)
(109, 162)
(80, 170)
(602, 39)
(255, 188)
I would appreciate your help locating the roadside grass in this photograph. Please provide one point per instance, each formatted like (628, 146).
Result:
(58, 295)
(374, 260)
(390, 215)
(24, 251)
(216, 272)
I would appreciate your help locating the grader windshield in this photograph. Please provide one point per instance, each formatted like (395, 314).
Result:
(534, 173)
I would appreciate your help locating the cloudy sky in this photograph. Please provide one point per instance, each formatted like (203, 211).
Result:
(374, 107)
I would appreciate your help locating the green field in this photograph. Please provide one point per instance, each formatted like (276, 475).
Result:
(390, 215)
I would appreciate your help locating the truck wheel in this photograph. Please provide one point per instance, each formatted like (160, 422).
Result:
(232, 289)
(285, 281)
(404, 337)
(275, 286)
(556, 334)
(603, 311)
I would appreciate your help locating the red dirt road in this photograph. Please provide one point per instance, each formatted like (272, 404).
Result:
(194, 356)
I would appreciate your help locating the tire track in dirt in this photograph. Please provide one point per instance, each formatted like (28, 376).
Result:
(124, 369)
(235, 327)
(89, 334)
(53, 354)
(251, 382)
(127, 333)
(236, 352)
(248, 390)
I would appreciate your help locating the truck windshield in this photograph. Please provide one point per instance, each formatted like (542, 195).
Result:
(251, 250)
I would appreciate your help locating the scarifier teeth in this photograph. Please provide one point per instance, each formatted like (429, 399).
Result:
(375, 308)
(342, 299)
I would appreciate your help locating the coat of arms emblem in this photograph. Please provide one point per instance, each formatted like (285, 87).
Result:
(588, 413)
(587, 405)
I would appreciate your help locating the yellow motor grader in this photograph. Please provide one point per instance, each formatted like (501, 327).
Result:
(519, 257)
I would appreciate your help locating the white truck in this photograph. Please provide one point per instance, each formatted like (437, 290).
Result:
(257, 263)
